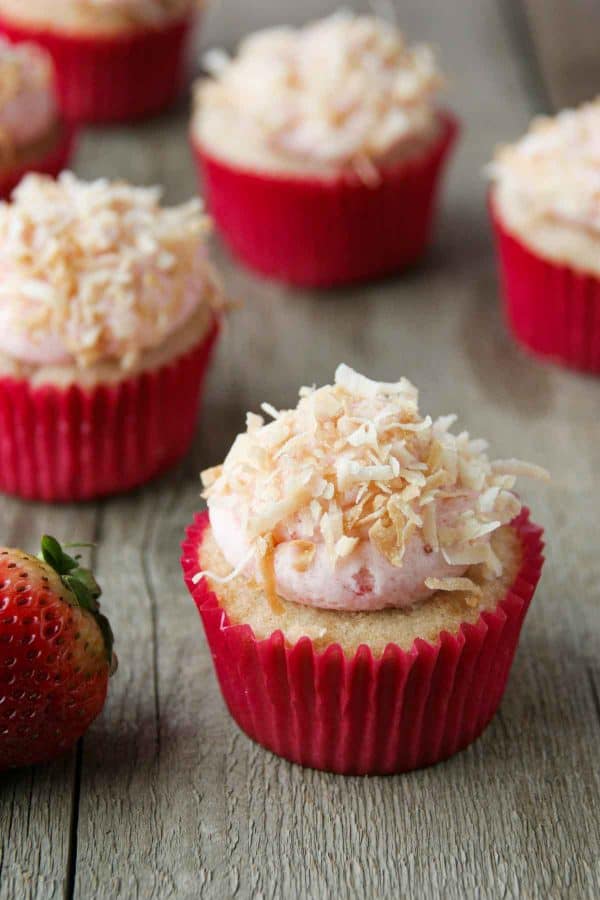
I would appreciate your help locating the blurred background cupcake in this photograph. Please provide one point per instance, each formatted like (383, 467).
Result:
(108, 315)
(116, 60)
(33, 136)
(545, 205)
(321, 149)
(362, 575)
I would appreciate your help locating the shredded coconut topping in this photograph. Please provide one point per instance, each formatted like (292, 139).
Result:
(346, 89)
(555, 168)
(100, 266)
(356, 462)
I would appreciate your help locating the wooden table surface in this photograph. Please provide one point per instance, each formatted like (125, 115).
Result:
(165, 797)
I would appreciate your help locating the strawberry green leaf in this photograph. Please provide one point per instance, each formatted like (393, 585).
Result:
(82, 594)
(82, 586)
(85, 577)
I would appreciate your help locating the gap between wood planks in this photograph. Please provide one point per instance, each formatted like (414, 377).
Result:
(76, 797)
(518, 26)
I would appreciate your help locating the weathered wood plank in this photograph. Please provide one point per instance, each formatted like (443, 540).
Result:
(565, 36)
(205, 811)
(36, 805)
(175, 801)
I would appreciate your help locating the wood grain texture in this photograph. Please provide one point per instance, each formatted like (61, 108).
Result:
(36, 805)
(566, 36)
(173, 800)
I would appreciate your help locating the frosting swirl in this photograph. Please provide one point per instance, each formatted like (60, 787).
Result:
(96, 271)
(339, 91)
(355, 501)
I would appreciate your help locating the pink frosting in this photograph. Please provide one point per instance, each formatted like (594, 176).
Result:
(363, 581)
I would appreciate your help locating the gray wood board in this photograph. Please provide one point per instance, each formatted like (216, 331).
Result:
(565, 37)
(170, 799)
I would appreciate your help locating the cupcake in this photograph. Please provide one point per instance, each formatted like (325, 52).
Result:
(32, 135)
(321, 149)
(362, 574)
(108, 315)
(116, 60)
(545, 207)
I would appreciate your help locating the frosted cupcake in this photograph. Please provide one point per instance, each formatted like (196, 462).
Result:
(32, 135)
(321, 149)
(545, 204)
(116, 60)
(362, 574)
(108, 315)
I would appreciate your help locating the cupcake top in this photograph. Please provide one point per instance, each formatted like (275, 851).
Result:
(553, 173)
(343, 91)
(96, 14)
(97, 271)
(355, 501)
(27, 101)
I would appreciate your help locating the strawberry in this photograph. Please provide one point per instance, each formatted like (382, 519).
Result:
(55, 653)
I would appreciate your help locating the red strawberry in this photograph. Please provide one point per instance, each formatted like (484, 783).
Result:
(55, 653)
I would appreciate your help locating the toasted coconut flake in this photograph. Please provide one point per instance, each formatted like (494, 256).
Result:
(364, 436)
(344, 546)
(430, 534)
(270, 410)
(332, 529)
(225, 579)
(304, 553)
(209, 476)
(520, 469)
(267, 571)
(253, 422)
(453, 584)
(362, 386)
(269, 515)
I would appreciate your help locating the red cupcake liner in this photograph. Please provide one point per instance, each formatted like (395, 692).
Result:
(324, 232)
(52, 163)
(113, 78)
(66, 444)
(552, 309)
(365, 714)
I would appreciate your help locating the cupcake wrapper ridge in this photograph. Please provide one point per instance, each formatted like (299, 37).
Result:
(324, 232)
(74, 443)
(54, 161)
(552, 310)
(365, 714)
(113, 78)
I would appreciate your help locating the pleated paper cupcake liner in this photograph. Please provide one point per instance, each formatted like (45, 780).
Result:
(552, 309)
(51, 163)
(75, 443)
(325, 232)
(113, 78)
(365, 714)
